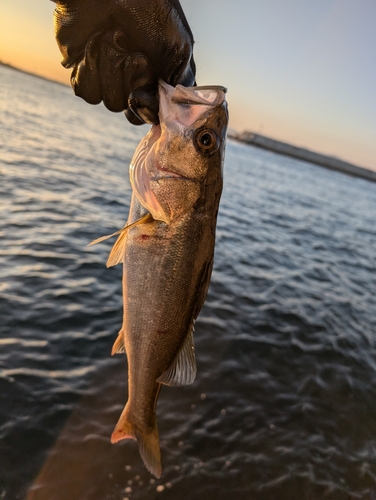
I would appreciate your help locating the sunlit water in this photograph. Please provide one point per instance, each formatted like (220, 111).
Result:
(284, 404)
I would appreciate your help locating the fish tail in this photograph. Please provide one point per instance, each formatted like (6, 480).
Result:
(147, 440)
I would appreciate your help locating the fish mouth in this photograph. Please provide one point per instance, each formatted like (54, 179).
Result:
(165, 173)
(185, 105)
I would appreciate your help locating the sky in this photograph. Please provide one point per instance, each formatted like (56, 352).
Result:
(300, 71)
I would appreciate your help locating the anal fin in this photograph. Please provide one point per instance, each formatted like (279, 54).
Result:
(183, 369)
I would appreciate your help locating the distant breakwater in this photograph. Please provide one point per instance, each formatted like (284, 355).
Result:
(303, 154)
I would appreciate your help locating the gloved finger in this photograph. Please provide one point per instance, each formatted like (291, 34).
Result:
(144, 103)
(143, 82)
(85, 78)
(183, 68)
(76, 22)
(185, 75)
(193, 72)
(113, 58)
(132, 118)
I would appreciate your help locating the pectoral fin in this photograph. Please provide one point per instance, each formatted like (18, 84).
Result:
(145, 218)
(183, 369)
(116, 254)
(104, 238)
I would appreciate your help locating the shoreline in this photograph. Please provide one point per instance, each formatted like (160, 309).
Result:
(285, 149)
(9, 66)
(261, 141)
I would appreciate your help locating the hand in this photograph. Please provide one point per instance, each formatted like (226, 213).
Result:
(119, 49)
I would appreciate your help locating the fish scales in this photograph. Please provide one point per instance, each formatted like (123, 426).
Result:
(167, 250)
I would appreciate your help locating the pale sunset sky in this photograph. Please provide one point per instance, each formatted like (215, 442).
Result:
(301, 71)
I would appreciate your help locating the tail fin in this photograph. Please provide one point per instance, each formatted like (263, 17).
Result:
(147, 440)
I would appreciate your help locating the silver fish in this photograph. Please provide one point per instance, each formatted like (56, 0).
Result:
(167, 252)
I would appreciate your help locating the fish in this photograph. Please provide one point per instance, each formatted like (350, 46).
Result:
(167, 250)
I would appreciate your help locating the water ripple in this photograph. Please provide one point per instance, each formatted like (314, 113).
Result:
(284, 403)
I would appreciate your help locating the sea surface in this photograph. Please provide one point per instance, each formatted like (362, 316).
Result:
(284, 404)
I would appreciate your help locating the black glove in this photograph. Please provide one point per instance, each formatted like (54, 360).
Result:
(118, 50)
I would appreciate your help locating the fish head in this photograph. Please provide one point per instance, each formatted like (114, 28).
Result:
(179, 164)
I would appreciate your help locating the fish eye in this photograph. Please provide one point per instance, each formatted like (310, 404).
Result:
(206, 141)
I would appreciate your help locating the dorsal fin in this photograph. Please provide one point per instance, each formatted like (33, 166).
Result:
(183, 369)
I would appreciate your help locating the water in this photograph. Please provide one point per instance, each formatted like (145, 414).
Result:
(284, 405)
